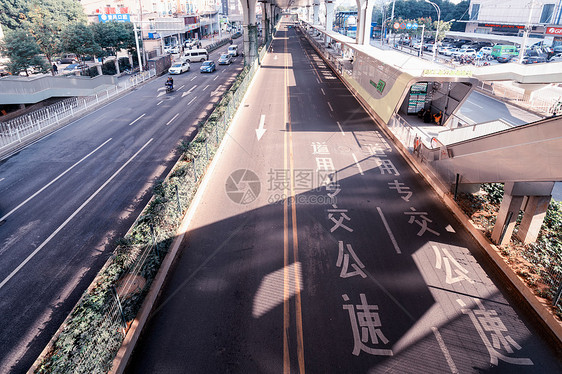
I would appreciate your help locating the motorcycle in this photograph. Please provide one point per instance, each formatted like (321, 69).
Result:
(169, 87)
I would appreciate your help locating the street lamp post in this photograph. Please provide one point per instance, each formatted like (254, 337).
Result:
(437, 29)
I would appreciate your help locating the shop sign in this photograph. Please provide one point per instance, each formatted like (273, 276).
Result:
(554, 31)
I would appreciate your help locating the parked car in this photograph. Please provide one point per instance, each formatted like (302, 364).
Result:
(469, 52)
(428, 47)
(416, 45)
(69, 58)
(208, 67)
(486, 50)
(169, 49)
(533, 59)
(443, 50)
(556, 58)
(225, 59)
(500, 50)
(179, 67)
(557, 49)
(505, 58)
(73, 68)
(450, 51)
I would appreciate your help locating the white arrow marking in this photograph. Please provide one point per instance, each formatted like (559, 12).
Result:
(215, 92)
(260, 130)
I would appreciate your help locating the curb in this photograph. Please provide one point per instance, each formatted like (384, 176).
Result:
(544, 316)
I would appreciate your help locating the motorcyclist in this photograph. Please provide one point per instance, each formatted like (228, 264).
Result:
(170, 83)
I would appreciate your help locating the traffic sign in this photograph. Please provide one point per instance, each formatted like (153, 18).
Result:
(414, 26)
(408, 26)
(479, 55)
(403, 25)
(396, 25)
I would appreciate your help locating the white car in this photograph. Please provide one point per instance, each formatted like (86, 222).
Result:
(450, 51)
(179, 67)
(171, 49)
(464, 52)
(556, 58)
(486, 50)
(444, 50)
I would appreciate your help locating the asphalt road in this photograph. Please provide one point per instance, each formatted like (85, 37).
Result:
(316, 248)
(65, 200)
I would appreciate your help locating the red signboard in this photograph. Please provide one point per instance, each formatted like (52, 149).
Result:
(554, 31)
(502, 26)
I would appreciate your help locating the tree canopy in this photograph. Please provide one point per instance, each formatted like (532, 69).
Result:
(23, 51)
(419, 9)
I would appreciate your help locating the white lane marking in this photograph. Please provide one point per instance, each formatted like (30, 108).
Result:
(53, 181)
(392, 239)
(318, 80)
(142, 115)
(170, 121)
(192, 88)
(461, 303)
(207, 86)
(450, 228)
(445, 351)
(330, 105)
(341, 129)
(192, 79)
(323, 93)
(159, 103)
(215, 78)
(1, 179)
(28, 258)
(479, 106)
(182, 86)
(192, 100)
(357, 163)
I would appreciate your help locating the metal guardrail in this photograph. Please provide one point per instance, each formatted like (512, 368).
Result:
(22, 128)
(543, 105)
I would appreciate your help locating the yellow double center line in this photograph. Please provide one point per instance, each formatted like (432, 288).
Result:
(288, 161)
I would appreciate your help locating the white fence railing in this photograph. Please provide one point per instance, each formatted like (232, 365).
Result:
(19, 129)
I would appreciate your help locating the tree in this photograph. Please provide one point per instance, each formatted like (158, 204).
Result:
(13, 13)
(78, 38)
(23, 51)
(114, 36)
(46, 31)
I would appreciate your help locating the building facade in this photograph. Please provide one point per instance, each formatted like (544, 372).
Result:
(543, 18)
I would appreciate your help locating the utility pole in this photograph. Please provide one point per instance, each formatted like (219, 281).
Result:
(526, 33)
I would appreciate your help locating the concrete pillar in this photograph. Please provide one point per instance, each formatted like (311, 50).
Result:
(316, 10)
(329, 19)
(364, 19)
(533, 217)
(250, 31)
(265, 21)
(514, 195)
(308, 13)
(506, 218)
